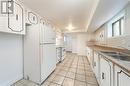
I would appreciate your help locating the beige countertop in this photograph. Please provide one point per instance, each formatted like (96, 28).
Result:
(123, 64)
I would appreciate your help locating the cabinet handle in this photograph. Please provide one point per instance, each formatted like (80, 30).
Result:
(17, 17)
(94, 64)
(34, 18)
(103, 75)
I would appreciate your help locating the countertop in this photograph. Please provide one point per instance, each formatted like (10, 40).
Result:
(125, 65)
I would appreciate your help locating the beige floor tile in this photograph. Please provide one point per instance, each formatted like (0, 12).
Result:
(53, 84)
(51, 77)
(46, 83)
(87, 67)
(79, 83)
(62, 73)
(60, 65)
(88, 70)
(70, 75)
(32, 84)
(91, 80)
(92, 85)
(23, 81)
(18, 84)
(80, 77)
(58, 79)
(80, 64)
(68, 82)
(81, 72)
(65, 68)
(89, 74)
(72, 70)
(56, 71)
(80, 67)
(73, 66)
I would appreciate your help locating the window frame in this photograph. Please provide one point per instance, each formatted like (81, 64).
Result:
(120, 27)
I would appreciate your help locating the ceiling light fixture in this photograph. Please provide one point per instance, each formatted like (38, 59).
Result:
(70, 27)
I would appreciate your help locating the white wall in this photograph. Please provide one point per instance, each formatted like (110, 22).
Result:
(11, 59)
(77, 42)
(81, 43)
(74, 44)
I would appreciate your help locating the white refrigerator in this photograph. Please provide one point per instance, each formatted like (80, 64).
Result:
(39, 52)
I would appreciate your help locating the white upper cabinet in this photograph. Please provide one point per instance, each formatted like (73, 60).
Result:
(16, 21)
(33, 18)
(12, 19)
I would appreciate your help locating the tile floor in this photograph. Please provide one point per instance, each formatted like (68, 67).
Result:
(73, 71)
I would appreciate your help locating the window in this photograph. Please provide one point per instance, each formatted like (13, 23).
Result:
(117, 27)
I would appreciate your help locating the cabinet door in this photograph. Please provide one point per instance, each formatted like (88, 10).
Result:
(96, 65)
(32, 18)
(88, 54)
(15, 20)
(105, 72)
(122, 78)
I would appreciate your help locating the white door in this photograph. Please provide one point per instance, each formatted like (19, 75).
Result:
(48, 60)
(105, 72)
(15, 20)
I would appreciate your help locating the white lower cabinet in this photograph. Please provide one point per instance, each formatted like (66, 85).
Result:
(122, 78)
(96, 66)
(105, 72)
(90, 56)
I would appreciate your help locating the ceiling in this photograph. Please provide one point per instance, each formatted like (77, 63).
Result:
(82, 14)
(105, 10)
(63, 12)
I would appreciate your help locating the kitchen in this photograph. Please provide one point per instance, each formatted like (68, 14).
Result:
(84, 43)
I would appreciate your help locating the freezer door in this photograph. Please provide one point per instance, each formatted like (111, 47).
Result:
(48, 60)
(47, 34)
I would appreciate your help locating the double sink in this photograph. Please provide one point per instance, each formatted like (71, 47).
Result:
(116, 55)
